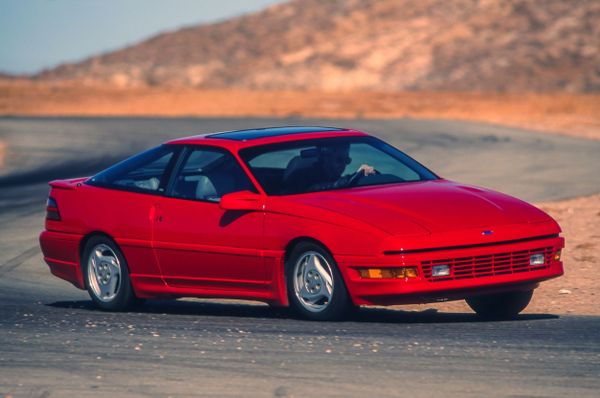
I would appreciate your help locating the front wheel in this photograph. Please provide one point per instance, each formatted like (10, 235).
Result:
(315, 287)
(106, 275)
(500, 306)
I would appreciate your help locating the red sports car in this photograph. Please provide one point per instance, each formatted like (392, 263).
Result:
(319, 219)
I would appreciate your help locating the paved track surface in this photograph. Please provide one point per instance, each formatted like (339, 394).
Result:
(53, 343)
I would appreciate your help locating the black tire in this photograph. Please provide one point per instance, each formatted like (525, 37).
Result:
(501, 305)
(123, 297)
(337, 306)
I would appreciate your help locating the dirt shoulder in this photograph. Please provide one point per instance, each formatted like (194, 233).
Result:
(578, 290)
(569, 114)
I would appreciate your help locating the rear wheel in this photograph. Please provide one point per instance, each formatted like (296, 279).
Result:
(500, 306)
(106, 275)
(315, 287)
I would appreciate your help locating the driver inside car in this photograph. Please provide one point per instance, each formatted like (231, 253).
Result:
(325, 172)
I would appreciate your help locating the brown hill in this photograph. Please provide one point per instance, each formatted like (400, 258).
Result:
(7, 76)
(384, 45)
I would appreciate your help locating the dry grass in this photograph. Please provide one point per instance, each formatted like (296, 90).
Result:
(577, 115)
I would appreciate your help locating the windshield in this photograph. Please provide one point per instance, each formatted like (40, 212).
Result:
(330, 163)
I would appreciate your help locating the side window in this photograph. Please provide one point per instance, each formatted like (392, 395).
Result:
(208, 174)
(142, 173)
(277, 171)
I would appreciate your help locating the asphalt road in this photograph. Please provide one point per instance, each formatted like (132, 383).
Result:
(54, 344)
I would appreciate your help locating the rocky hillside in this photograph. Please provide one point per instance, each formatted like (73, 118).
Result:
(389, 45)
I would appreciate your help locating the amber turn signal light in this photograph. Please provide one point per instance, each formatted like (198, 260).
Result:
(557, 255)
(388, 273)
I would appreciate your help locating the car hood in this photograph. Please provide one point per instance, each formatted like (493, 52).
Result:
(427, 206)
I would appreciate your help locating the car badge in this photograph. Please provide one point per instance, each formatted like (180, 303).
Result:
(487, 232)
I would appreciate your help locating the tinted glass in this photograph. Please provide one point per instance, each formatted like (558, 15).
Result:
(242, 135)
(330, 163)
(145, 172)
(208, 174)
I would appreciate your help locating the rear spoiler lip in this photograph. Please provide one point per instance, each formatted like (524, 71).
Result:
(67, 184)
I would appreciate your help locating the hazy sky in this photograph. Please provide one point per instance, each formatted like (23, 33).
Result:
(37, 34)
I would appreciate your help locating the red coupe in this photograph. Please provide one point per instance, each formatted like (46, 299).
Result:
(319, 219)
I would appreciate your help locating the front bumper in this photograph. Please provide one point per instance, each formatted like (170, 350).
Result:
(424, 288)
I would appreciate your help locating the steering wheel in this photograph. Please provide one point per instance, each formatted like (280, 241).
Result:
(357, 176)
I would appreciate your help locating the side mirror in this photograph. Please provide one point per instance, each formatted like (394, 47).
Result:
(242, 200)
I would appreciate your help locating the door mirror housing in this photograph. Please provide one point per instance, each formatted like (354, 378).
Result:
(242, 200)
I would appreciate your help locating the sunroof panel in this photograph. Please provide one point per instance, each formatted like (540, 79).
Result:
(251, 134)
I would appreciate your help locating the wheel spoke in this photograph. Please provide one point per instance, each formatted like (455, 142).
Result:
(108, 260)
(98, 256)
(114, 265)
(96, 261)
(94, 267)
(104, 290)
(307, 266)
(327, 291)
(311, 298)
(113, 284)
(323, 272)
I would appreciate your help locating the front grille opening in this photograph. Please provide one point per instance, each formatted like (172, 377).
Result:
(488, 264)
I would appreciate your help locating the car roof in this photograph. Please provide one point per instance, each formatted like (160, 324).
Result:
(252, 134)
(267, 135)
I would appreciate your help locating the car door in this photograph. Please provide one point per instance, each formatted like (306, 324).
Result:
(199, 245)
(125, 206)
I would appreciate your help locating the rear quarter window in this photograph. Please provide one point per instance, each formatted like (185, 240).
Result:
(145, 172)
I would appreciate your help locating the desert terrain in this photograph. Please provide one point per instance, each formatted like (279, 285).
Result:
(561, 113)
(515, 46)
